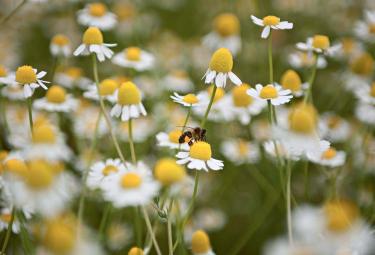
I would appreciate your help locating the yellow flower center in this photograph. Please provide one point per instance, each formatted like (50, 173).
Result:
(107, 87)
(291, 80)
(227, 24)
(97, 9)
(340, 215)
(56, 94)
(131, 181)
(333, 122)
(124, 11)
(220, 92)
(302, 120)
(92, 36)
(16, 166)
(221, 61)
(74, 72)
(363, 65)
(60, 40)
(25, 75)
(133, 53)
(321, 42)
(201, 150)
(3, 155)
(243, 147)
(240, 96)
(200, 242)
(271, 20)
(128, 94)
(371, 28)
(174, 135)
(268, 92)
(372, 90)
(135, 251)
(107, 170)
(168, 172)
(43, 133)
(330, 153)
(40, 174)
(6, 217)
(190, 99)
(3, 71)
(60, 237)
(347, 44)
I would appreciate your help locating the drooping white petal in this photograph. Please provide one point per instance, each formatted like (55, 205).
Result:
(257, 21)
(266, 32)
(234, 78)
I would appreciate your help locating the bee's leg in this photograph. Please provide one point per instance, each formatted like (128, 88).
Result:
(181, 139)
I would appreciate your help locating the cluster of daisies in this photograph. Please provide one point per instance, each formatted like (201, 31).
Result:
(130, 140)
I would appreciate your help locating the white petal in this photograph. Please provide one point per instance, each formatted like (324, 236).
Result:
(79, 50)
(266, 32)
(234, 78)
(257, 21)
(285, 25)
(27, 91)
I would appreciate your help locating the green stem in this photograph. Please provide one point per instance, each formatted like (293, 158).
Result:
(288, 203)
(150, 230)
(9, 232)
(131, 142)
(308, 95)
(55, 63)
(209, 107)
(14, 11)
(104, 220)
(270, 114)
(3, 113)
(105, 114)
(170, 241)
(30, 110)
(137, 226)
(270, 62)
(306, 180)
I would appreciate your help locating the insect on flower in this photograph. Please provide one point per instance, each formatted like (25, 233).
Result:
(194, 135)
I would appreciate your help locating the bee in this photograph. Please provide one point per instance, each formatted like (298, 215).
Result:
(194, 135)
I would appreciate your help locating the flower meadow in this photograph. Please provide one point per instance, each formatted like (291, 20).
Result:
(187, 127)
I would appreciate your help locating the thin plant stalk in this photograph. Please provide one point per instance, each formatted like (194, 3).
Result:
(104, 220)
(170, 238)
(288, 203)
(9, 231)
(150, 230)
(270, 61)
(308, 95)
(131, 142)
(14, 11)
(30, 111)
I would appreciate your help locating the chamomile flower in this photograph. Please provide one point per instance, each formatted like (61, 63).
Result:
(101, 170)
(366, 29)
(220, 69)
(131, 187)
(30, 79)
(189, 100)
(328, 157)
(134, 57)
(135, 251)
(319, 44)
(171, 140)
(85, 123)
(13, 92)
(56, 100)
(129, 104)
(199, 157)
(292, 81)
(6, 77)
(39, 185)
(60, 46)
(92, 42)
(305, 60)
(107, 90)
(241, 105)
(334, 128)
(366, 94)
(276, 149)
(240, 151)
(178, 80)
(97, 15)
(365, 113)
(5, 218)
(226, 34)
(362, 65)
(72, 77)
(269, 22)
(200, 243)
(275, 93)
(168, 172)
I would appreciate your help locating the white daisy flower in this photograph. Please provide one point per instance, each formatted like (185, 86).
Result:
(178, 80)
(56, 100)
(134, 57)
(334, 128)
(6, 77)
(319, 44)
(240, 151)
(142, 129)
(366, 94)
(107, 91)
(30, 79)
(170, 140)
(353, 82)
(189, 100)
(85, 123)
(226, 34)
(200, 243)
(101, 170)
(327, 157)
(220, 69)
(92, 42)
(365, 113)
(366, 29)
(305, 60)
(275, 93)
(72, 77)
(129, 104)
(60, 46)
(241, 105)
(41, 186)
(269, 22)
(13, 92)
(276, 149)
(131, 187)
(199, 157)
(97, 15)
(5, 218)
